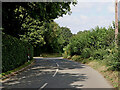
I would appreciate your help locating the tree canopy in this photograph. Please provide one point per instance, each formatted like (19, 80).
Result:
(33, 22)
(66, 34)
(14, 13)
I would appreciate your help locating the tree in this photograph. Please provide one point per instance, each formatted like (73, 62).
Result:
(33, 32)
(44, 36)
(53, 39)
(66, 34)
(14, 13)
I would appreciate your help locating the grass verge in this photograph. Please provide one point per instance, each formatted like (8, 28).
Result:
(15, 70)
(110, 76)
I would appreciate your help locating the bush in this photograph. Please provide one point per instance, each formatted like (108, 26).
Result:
(14, 52)
(86, 53)
(76, 58)
(67, 51)
(96, 44)
(112, 60)
(99, 54)
(82, 43)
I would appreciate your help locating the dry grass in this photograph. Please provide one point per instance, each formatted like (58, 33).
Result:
(111, 76)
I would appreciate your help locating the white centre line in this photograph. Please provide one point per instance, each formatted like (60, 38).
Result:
(56, 70)
(43, 86)
(55, 73)
(57, 65)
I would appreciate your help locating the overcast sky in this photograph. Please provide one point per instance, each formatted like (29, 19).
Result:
(86, 15)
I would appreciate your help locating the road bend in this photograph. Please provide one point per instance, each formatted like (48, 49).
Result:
(57, 73)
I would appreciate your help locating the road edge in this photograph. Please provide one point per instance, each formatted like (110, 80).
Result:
(108, 81)
(17, 72)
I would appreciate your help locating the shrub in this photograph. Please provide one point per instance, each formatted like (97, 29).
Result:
(113, 63)
(91, 58)
(86, 53)
(112, 60)
(96, 44)
(64, 55)
(98, 38)
(14, 52)
(98, 54)
(67, 51)
(76, 58)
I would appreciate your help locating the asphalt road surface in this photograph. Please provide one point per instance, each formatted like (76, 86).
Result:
(57, 73)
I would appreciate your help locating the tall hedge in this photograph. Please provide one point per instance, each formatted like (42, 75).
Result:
(14, 52)
(97, 44)
(87, 41)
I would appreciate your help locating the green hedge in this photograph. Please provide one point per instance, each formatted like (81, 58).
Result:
(95, 44)
(14, 52)
(86, 42)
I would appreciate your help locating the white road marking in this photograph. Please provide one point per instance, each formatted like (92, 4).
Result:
(44, 85)
(55, 73)
(56, 70)
(53, 76)
(57, 65)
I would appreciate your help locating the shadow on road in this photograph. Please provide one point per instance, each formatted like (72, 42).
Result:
(68, 75)
(67, 80)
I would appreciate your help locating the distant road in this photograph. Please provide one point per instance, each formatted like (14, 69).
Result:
(57, 73)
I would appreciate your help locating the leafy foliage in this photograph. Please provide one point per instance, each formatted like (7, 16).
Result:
(53, 39)
(95, 44)
(66, 34)
(14, 14)
(44, 36)
(32, 22)
(34, 31)
(95, 39)
(14, 52)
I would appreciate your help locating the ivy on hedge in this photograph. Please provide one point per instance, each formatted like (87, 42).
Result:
(14, 52)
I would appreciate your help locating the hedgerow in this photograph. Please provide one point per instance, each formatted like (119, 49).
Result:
(95, 44)
(14, 52)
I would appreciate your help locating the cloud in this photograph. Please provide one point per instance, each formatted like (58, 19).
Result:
(83, 17)
(99, 9)
(86, 17)
(111, 9)
(84, 23)
(81, 5)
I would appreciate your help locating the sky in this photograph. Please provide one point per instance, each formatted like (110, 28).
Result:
(88, 14)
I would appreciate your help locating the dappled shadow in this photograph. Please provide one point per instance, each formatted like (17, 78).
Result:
(32, 76)
(68, 76)
(42, 72)
(68, 64)
(67, 80)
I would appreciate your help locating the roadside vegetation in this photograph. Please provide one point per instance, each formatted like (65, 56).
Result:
(29, 30)
(15, 53)
(15, 71)
(110, 75)
(96, 46)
